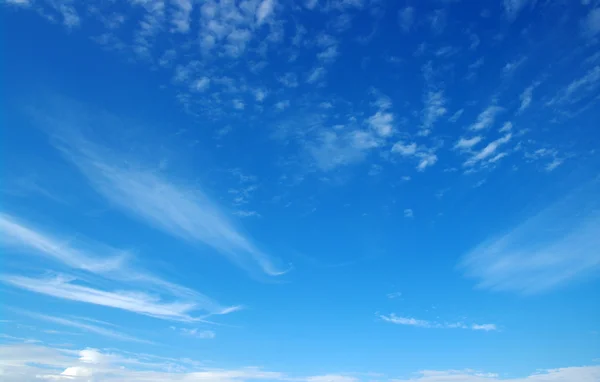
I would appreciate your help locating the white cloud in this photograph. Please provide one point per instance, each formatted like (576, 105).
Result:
(201, 334)
(408, 213)
(425, 157)
(96, 258)
(486, 118)
(406, 18)
(382, 123)
(168, 300)
(579, 88)
(591, 24)
(316, 75)
(506, 127)
(513, 7)
(265, 9)
(160, 202)
(181, 15)
(133, 301)
(86, 327)
(512, 66)
(289, 80)
(200, 84)
(21, 362)
(394, 295)
(484, 327)
(331, 378)
(556, 246)
(329, 54)
(526, 97)
(409, 321)
(434, 108)
(454, 117)
(488, 150)
(554, 164)
(467, 143)
(238, 104)
(282, 105)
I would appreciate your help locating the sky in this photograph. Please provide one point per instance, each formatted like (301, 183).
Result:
(300, 191)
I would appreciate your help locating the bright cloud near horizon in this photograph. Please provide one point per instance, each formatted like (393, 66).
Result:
(312, 190)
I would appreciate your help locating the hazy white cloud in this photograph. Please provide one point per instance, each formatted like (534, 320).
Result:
(408, 213)
(197, 333)
(486, 118)
(160, 298)
(181, 15)
(526, 97)
(159, 201)
(512, 8)
(382, 123)
(23, 362)
(316, 75)
(467, 143)
(92, 257)
(488, 150)
(591, 24)
(506, 127)
(425, 157)
(434, 108)
(200, 84)
(64, 287)
(556, 246)
(85, 327)
(406, 18)
(409, 321)
(265, 9)
(454, 117)
(579, 88)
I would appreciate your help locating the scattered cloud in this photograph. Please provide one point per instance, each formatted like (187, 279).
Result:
(197, 333)
(488, 151)
(434, 109)
(526, 97)
(552, 248)
(409, 321)
(591, 24)
(406, 18)
(85, 327)
(265, 9)
(424, 156)
(408, 213)
(486, 118)
(512, 8)
(579, 88)
(467, 143)
(158, 201)
(394, 295)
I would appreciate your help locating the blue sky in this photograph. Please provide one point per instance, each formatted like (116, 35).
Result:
(318, 191)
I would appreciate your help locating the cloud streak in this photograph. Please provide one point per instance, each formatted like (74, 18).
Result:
(155, 199)
(161, 298)
(557, 246)
(409, 321)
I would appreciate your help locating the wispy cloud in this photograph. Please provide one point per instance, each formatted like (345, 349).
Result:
(579, 88)
(486, 118)
(557, 246)
(409, 321)
(467, 143)
(99, 262)
(526, 98)
(488, 151)
(160, 201)
(64, 287)
(86, 327)
(425, 157)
